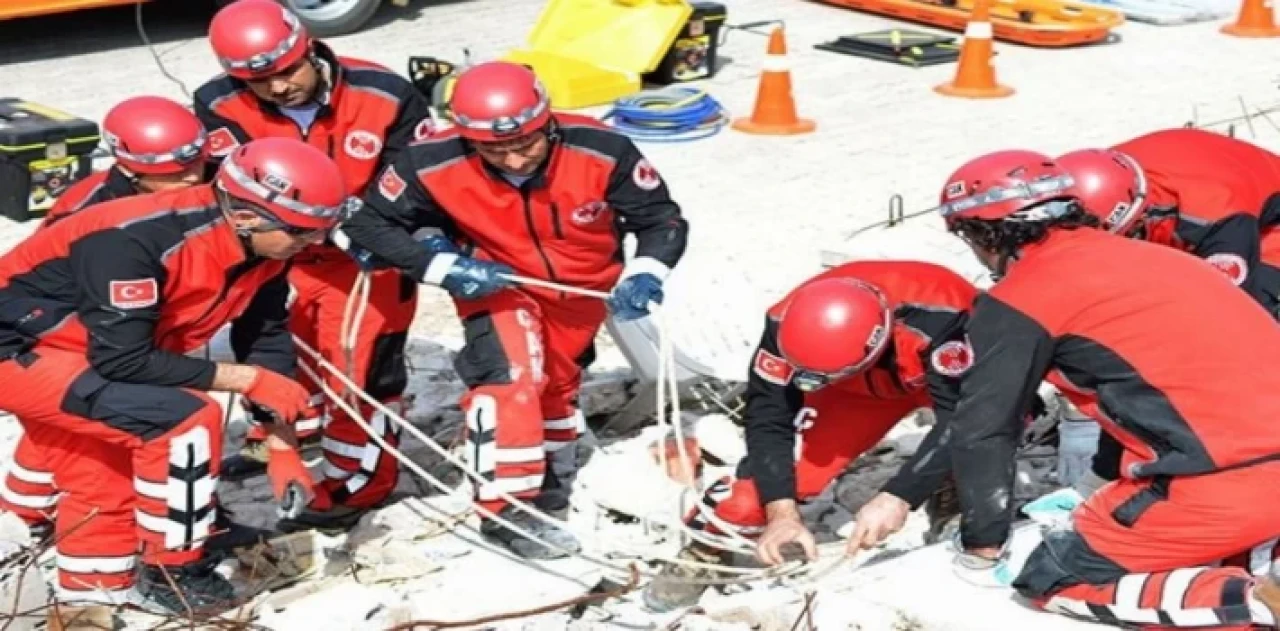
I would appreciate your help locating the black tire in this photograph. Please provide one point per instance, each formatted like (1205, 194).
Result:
(322, 24)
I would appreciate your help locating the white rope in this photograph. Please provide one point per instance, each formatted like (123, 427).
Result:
(352, 318)
(753, 573)
(668, 378)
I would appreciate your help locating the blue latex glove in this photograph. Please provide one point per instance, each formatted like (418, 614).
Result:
(438, 244)
(631, 298)
(363, 258)
(1053, 508)
(470, 278)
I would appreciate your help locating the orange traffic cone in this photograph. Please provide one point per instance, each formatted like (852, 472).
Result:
(976, 77)
(775, 111)
(1257, 19)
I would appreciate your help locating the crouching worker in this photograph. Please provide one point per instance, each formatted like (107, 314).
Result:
(157, 145)
(843, 359)
(96, 315)
(1150, 360)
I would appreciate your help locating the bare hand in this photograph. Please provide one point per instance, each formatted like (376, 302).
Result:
(780, 532)
(884, 515)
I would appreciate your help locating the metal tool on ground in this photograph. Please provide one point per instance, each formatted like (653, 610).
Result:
(43, 151)
(976, 76)
(901, 46)
(775, 109)
(673, 114)
(1048, 23)
(1257, 19)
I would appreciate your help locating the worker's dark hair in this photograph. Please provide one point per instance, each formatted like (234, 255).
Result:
(1006, 237)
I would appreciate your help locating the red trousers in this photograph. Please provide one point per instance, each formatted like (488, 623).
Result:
(357, 473)
(522, 363)
(28, 490)
(136, 464)
(1150, 552)
(834, 428)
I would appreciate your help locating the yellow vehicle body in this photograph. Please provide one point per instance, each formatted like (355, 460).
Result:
(11, 9)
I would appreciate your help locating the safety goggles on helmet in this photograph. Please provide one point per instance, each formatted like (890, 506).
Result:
(1122, 220)
(187, 154)
(507, 126)
(265, 63)
(1034, 190)
(1039, 189)
(259, 191)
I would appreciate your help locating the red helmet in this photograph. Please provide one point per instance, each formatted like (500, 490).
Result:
(833, 328)
(151, 135)
(1009, 185)
(1110, 185)
(287, 181)
(257, 38)
(498, 100)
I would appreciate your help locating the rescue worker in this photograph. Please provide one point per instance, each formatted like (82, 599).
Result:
(843, 358)
(157, 145)
(1194, 190)
(516, 188)
(1146, 357)
(281, 82)
(96, 315)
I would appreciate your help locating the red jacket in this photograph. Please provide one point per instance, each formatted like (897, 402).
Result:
(366, 117)
(1212, 196)
(100, 187)
(140, 282)
(565, 224)
(1178, 371)
(928, 355)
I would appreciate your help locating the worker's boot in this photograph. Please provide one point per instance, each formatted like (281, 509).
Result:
(194, 587)
(557, 482)
(943, 510)
(230, 535)
(522, 545)
(680, 585)
(80, 618)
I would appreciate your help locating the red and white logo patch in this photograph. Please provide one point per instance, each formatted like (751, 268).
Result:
(134, 294)
(645, 176)
(390, 184)
(952, 359)
(221, 142)
(588, 213)
(1234, 266)
(772, 368)
(362, 145)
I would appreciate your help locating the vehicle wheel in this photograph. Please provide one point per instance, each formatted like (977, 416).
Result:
(326, 18)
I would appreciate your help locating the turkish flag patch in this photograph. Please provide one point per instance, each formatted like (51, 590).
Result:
(134, 294)
(1233, 265)
(772, 368)
(952, 359)
(221, 142)
(391, 185)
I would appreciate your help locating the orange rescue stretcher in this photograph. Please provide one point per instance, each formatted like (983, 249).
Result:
(1045, 23)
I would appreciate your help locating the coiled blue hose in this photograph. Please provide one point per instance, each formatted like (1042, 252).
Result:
(676, 114)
